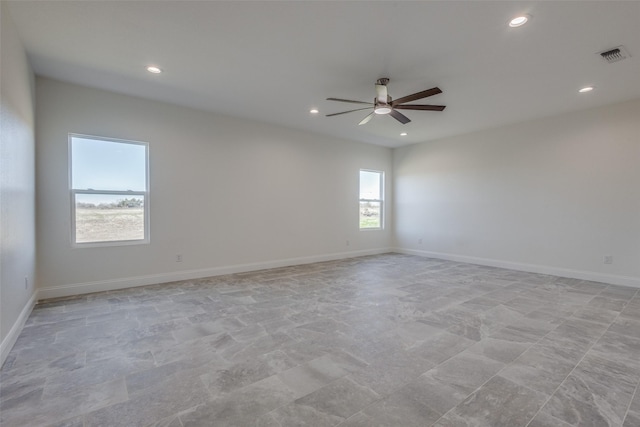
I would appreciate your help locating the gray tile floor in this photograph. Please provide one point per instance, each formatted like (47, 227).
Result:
(389, 340)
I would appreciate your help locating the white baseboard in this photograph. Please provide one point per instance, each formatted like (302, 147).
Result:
(130, 282)
(531, 268)
(14, 333)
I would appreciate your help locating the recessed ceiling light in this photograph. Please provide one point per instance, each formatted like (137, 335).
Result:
(153, 69)
(403, 134)
(586, 89)
(519, 21)
(314, 111)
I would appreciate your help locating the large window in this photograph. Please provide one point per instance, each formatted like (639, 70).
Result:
(371, 199)
(109, 191)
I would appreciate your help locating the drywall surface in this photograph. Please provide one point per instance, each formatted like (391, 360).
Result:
(226, 194)
(17, 185)
(555, 196)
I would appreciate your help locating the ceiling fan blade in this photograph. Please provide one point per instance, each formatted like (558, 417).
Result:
(366, 119)
(348, 100)
(345, 112)
(419, 95)
(399, 117)
(420, 107)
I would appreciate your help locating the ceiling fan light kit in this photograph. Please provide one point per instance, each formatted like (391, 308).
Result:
(383, 104)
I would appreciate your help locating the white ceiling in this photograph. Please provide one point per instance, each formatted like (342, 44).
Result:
(273, 61)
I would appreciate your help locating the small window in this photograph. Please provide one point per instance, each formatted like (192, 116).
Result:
(371, 200)
(109, 191)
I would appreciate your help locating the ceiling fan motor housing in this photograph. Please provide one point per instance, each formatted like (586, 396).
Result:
(383, 100)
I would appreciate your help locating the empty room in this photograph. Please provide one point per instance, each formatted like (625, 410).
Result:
(320, 213)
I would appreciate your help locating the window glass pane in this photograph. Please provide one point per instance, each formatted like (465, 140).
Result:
(108, 217)
(370, 214)
(108, 165)
(370, 185)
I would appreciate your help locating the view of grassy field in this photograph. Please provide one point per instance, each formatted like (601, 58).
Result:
(107, 225)
(369, 215)
(369, 222)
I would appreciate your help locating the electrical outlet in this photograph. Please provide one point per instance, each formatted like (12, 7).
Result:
(419, 241)
(179, 258)
(347, 243)
(26, 282)
(608, 259)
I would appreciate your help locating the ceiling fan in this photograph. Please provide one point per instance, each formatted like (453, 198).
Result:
(383, 104)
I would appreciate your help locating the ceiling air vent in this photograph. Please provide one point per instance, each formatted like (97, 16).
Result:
(614, 55)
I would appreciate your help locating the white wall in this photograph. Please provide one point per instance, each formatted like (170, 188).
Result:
(17, 185)
(228, 194)
(554, 196)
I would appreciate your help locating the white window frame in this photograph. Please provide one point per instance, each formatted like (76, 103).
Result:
(75, 191)
(380, 200)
